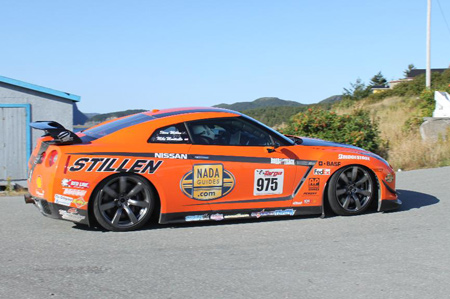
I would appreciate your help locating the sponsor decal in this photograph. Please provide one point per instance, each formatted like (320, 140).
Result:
(268, 181)
(74, 184)
(307, 201)
(39, 182)
(171, 156)
(79, 202)
(313, 184)
(68, 215)
(39, 191)
(353, 157)
(207, 182)
(282, 161)
(297, 203)
(389, 178)
(63, 200)
(115, 165)
(329, 163)
(74, 192)
(217, 217)
(322, 171)
(197, 217)
(263, 213)
(64, 136)
(240, 215)
(309, 193)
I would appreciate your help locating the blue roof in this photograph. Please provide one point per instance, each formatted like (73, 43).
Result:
(46, 90)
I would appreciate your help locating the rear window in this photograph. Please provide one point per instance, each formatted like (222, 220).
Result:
(109, 128)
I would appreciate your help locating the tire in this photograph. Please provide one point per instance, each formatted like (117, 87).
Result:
(351, 190)
(124, 202)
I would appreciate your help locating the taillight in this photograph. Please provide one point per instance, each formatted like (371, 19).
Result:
(52, 158)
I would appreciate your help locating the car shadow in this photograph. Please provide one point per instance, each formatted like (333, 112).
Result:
(414, 200)
(410, 200)
(152, 225)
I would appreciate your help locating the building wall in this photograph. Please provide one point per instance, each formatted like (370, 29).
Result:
(43, 106)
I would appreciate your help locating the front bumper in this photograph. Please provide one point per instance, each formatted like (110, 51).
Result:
(388, 205)
(58, 211)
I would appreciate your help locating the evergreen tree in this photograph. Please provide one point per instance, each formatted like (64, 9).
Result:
(378, 80)
(409, 69)
(357, 91)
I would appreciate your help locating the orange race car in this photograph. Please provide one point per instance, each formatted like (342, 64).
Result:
(198, 164)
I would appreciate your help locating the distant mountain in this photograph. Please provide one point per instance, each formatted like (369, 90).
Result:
(106, 116)
(274, 116)
(90, 115)
(331, 99)
(259, 103)
(79, 118)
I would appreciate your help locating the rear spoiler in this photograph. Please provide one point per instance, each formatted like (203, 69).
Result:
(60, 134)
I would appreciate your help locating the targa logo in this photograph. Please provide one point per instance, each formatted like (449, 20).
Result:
(207, 182)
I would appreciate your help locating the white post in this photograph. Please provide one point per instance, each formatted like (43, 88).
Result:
(428, 72)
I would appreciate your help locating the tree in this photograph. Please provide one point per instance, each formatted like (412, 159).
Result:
(378, 80)
(409, 69)
(357, 91)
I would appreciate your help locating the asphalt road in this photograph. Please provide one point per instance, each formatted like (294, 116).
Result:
(402, 254)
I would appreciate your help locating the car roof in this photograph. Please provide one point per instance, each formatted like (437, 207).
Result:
(188, 110)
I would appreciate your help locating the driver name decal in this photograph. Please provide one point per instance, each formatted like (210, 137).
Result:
(115, 165)
(207, 182)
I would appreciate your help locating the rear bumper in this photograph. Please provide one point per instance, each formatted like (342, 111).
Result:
(58, 211)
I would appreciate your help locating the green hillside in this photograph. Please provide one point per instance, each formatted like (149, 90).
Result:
(259, 103)
(105, 116)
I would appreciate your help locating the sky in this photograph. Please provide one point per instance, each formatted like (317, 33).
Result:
(132, 54)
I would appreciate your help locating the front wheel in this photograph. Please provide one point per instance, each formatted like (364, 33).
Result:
(351, 190)
(124, 203)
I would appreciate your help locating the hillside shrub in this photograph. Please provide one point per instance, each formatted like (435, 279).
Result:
(356, 128)
(425, 107)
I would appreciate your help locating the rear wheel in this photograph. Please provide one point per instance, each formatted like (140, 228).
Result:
(351, 190)
(124, 203)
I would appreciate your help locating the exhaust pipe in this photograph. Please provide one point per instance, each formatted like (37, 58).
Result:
(28, 198)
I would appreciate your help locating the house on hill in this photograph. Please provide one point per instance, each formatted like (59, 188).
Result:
(414, 73)
(20, 104)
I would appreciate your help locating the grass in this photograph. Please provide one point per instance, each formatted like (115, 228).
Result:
(404, 149)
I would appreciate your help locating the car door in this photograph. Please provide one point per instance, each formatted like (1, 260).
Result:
(239, 165)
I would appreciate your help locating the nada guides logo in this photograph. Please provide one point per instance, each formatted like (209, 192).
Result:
(207, 182)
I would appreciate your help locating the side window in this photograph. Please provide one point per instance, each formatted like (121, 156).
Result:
(228, 131)
(170, 134)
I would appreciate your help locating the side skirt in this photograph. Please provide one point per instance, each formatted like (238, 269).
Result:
(220, 215)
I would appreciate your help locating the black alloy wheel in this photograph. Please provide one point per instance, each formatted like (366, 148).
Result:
(124, 203)
(351, 190)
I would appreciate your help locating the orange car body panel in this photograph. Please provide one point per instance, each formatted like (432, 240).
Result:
(183, 174)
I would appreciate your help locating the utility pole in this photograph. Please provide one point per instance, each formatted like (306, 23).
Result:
(428, 72)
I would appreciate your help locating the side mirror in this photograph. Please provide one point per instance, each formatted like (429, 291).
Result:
(272, 148)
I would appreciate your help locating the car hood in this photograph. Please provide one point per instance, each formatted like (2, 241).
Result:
(344, 147)
(320, 142)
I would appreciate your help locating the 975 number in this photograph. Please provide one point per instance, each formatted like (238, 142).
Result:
(266, 184)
